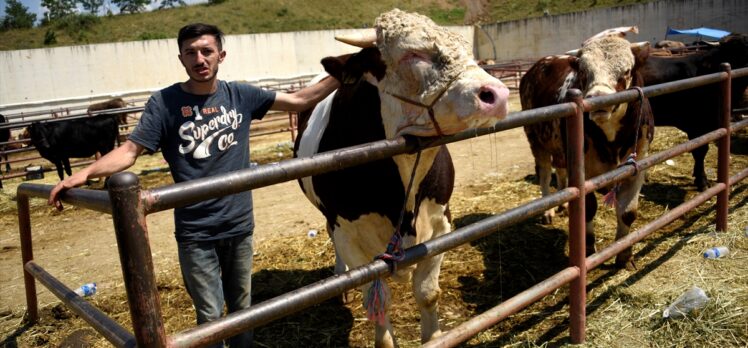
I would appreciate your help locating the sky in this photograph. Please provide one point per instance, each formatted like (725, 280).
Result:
(34, 6)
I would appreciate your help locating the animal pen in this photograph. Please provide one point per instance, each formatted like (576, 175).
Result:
(130, 206)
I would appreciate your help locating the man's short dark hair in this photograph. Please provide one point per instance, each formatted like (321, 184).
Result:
(191, 31)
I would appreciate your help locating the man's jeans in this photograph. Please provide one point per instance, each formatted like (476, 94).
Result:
(218, 270)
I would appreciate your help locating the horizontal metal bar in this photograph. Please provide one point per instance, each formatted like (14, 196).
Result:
(485, 320)
(623, 172)
(90, 199)
(106, 326)
(630, 239)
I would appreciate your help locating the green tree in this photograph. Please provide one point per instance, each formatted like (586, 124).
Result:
(131, 6)
(92, 6)
(17, 16)
(57, 9)
(171, 3)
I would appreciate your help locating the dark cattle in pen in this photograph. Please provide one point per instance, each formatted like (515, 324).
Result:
(115, 103)
(696, 111)
(4, 137)
(79, 138)
(386, 92)
(603, 66)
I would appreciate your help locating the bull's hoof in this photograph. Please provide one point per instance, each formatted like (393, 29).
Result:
(626, 262)
(547, 218)
(347, 297)
(701, 185)
(590, 249)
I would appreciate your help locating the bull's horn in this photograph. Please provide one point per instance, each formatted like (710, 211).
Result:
(641, 44)
(574, 53)
(361, 39)
(619, 31)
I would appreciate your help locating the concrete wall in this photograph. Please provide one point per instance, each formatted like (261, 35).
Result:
(55, 77)
(538, 37)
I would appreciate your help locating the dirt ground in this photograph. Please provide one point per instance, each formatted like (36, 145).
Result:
(78, 246)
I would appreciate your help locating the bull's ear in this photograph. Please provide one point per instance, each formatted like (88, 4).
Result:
(640, 51)
(574, 62)
(374, 63)
(334, 66)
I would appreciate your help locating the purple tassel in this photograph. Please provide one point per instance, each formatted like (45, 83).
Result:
(610, 198)
(374, 302)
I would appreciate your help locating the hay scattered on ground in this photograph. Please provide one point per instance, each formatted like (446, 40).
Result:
(624, 308)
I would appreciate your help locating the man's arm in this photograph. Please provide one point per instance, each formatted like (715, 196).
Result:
(306, 97)
(115, 161)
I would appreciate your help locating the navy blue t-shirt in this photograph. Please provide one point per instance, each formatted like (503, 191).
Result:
(200, 136)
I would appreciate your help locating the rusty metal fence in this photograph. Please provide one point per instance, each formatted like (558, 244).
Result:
(129, 206)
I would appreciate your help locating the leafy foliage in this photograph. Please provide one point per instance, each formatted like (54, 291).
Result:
(57, 9)
(17, 16)
(131, 6)
(50, 38)
(171, 3)
(92, 6)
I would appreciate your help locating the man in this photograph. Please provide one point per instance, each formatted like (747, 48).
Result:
(202, 128)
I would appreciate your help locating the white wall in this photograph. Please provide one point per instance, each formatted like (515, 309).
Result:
(54, 77)
(538, 37)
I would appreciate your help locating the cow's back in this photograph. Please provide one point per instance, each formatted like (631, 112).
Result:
(75, 138)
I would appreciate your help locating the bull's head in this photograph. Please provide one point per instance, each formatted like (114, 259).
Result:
(606, 65)
(427, 68)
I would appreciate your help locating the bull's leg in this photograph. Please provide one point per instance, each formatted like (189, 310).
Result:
(7, 164)
(66, 163)
(340, 266)
(562, 181)
(590, 209)
(432, 223)
(58, 165)
(543, 168)
(626, 210)
(355, 240)
(699, 175)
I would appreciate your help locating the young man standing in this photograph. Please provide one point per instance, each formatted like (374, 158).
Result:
(202, 129)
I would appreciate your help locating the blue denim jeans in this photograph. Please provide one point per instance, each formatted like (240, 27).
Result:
(218, 272)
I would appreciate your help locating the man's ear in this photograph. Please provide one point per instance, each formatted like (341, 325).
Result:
(221, 56)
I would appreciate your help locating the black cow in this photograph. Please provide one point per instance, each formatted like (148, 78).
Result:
(80, 138)
(4, 137)
(696, 111)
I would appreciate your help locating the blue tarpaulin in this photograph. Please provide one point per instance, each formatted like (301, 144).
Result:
(705, 32)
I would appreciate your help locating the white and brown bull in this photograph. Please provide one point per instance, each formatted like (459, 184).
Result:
(604, 65)
(412, 77)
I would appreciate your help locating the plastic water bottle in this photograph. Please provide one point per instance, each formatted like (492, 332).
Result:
(86, 290)
(692, 299)
(716, 252)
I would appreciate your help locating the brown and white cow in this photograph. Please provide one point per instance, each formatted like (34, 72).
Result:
(407, 61)
(605, 65)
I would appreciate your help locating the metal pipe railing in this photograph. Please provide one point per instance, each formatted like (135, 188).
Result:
(130, 205)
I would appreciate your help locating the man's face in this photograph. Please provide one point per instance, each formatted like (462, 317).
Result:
(200, 57)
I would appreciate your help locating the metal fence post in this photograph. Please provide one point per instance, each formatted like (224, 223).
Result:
(723, 148)
(135, 256)
(27, 254)
(577, 228)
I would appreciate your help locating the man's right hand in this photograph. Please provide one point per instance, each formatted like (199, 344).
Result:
(68, 183)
